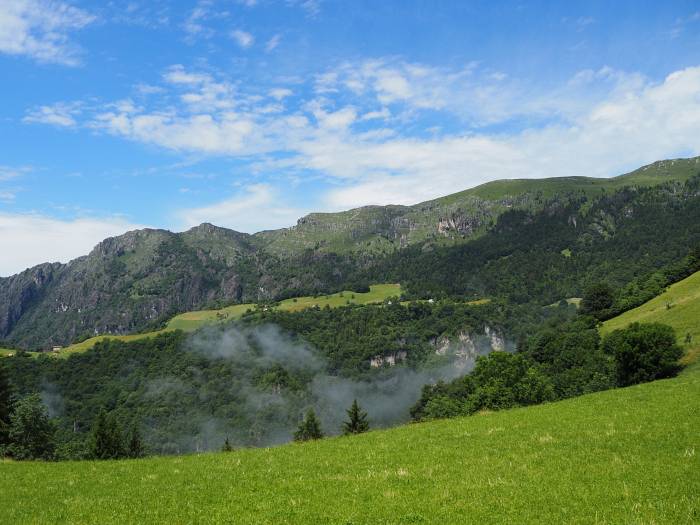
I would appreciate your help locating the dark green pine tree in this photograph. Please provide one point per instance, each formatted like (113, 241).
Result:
(5, 405)
(106, 440)
(309, 428)
(227, 446)
(357, 420)
(134, 445)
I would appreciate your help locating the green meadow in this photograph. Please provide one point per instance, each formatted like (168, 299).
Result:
(679, 307)
(191, 321)
(622, 456)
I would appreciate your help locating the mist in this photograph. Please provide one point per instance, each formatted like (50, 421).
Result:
(276, 379)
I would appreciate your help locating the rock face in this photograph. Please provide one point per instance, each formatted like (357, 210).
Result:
(466, 347)
(460, 224)
(390, 359)
(496, 339)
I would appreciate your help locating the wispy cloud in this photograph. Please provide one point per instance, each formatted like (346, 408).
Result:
(312, 7)
(61, 115)
(41, 29)
(272, 43)
(370, 127)
(194, 25)
(242, 38)
(8, 174)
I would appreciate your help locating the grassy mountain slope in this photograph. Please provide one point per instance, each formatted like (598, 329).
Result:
(620, 456)
(191, 321)
(678, 307)
(380, 229)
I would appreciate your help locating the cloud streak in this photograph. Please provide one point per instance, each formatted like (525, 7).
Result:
(41, 29)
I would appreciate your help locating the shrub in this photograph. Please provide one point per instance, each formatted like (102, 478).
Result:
(644, 352)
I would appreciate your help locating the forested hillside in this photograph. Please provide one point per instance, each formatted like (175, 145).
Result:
(251, 380)
(524, 241)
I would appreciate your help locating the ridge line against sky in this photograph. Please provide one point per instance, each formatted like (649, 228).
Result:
(251, 113)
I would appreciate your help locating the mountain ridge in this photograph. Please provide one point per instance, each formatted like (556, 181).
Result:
(136, 281)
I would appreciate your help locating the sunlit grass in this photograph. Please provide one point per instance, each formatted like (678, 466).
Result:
(678, 307)
(621, 456)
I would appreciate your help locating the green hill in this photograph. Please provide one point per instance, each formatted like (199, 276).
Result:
(466, 214)
(138, 280)
(621, 456)
(678, 307)
(191, 321)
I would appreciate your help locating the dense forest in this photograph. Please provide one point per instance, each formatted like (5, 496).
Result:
(273, 375)
(251, 381)
(558, 253)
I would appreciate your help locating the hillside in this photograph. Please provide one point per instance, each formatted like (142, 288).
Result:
(458, 246)
(467, 214)
(191, 321)
(620, 456)
(678, 307)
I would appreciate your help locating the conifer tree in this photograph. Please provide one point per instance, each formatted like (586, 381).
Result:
(357, 420)
(135, 448)
(309, 428)
(106, 441)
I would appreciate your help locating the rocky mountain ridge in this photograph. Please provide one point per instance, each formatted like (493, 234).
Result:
(137, 280)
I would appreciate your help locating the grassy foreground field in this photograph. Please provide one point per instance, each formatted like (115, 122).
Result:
(683, 315)
(622, 456)
(191, 321)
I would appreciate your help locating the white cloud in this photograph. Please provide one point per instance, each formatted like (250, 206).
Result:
(177, 74)
(600, 123)
(194, 24)
(9, 173)
(40, 29)
(61, 115)
(30, 239)
(272, 44)
(7, 196)
(280, 93)
(312, 7)
(243, 38)
(258, 207)
(633, 127)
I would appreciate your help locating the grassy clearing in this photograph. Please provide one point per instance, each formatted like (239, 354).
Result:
(190, 321)
(683, 315)
(622, 456)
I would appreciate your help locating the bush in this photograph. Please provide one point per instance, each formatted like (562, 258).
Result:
(644, 352)
(31, 431)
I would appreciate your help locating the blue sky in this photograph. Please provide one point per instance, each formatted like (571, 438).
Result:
(250, 114)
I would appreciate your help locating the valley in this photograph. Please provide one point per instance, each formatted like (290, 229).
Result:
(521, 465)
